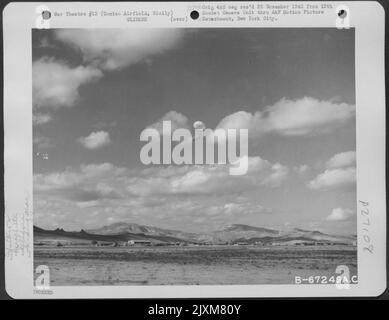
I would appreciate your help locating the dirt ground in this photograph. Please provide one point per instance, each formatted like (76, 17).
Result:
(190, 265)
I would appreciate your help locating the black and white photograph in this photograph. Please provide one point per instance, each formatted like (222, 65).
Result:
(103, 217)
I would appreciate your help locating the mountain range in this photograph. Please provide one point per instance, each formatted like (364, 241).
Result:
(235, 233)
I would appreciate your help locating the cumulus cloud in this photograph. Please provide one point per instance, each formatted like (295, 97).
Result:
(286, 117)
(168, 194)
(56, 84)
(306, 115)
(41, 118)
(42, 142)
(91, 182)
(292, 117)
(95, 140)
(340, 172)
(240, 120)
(88, 183)
(87, 204)
(302, 169)
(340, 214)
(207, 179)
(334, 178)
(343, 159)
(112, 49)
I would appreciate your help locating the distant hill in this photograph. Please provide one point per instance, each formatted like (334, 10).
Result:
(244, 227)
(147, 231)
(238, 232)
(123, 231)
(41, 235)
(121, 227)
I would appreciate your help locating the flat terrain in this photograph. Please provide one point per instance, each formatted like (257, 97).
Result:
(190, 265)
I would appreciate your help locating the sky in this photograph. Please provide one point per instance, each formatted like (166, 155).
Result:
(95, 91)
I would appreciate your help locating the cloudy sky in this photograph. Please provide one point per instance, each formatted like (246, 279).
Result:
(94, 91)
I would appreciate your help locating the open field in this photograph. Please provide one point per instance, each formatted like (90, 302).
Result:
(190, 265)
